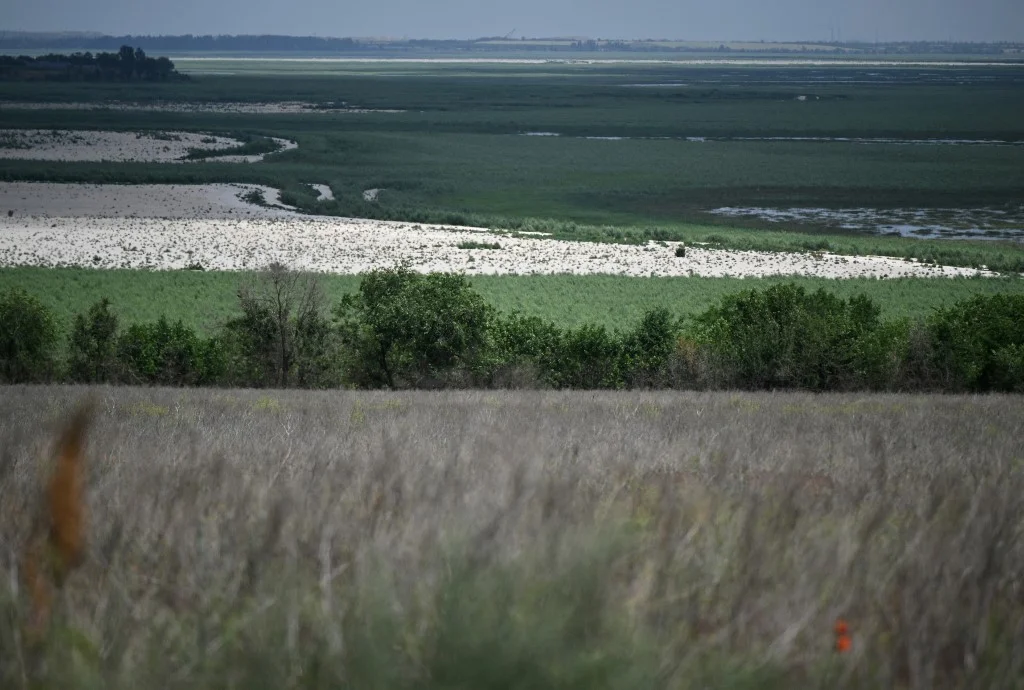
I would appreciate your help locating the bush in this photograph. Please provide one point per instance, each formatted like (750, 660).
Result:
(28, 338)
(523, 348)
(976, 343)
(478, 245)
(92, 351)
(648, 348)
(783, 337)
(406, 329)
(255, 196)
(588, 357)
(169, 354)
(283, 335)
(1008, 369)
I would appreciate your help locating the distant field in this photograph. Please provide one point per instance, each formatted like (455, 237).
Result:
(456, 151)
(206, 299)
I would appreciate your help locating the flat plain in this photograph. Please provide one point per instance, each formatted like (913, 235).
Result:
(644, 151)
(481, 539)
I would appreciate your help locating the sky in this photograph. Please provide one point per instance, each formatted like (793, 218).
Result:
(769, 20)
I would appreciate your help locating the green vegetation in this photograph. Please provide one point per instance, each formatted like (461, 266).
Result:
(206, 299)
(402, 329)
(28, 338)
(126, 64)
(251, 145)
(301, 539)
(478, 245)
(454, 153)
(404, 326)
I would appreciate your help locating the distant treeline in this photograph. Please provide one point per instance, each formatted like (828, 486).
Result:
(324, 45)
(125, 65)
(406, 330)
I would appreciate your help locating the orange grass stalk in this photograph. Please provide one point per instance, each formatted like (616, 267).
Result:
(66, 497)
(49, 559)
(39, 593)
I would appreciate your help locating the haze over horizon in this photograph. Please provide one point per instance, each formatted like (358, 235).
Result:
(785, 20)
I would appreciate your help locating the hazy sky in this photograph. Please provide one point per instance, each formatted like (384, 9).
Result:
(975, 20)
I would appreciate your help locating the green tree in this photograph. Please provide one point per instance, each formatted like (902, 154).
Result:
(92, 356)
(28, 338)
(648, 348)
(524, 350)
(126, 61)
(975, 343)
(169, 354)
(784, 337)
(283, 334)
(588, 357)
(403, 328)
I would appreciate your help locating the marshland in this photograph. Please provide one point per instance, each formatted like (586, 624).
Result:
(741, 231)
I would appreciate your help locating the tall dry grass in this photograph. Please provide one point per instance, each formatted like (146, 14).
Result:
(523, 540)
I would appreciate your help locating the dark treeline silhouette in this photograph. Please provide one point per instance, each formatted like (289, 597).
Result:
(125, 65)
(269, 43)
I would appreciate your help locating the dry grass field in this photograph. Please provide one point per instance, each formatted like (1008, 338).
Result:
(244, 539)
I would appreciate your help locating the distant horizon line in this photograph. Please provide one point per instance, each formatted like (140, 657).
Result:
(5, 33)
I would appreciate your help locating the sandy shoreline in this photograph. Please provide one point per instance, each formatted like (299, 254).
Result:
(66, 145)
(275, 108)
(88, 145)
(175, 226)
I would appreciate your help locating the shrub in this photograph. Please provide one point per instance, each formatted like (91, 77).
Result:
(92, 351)
(402, 327)
(1007, 372)
(478, 245)
(783, 337)
(648, 348)
(976, 343)
(588, 357)
(28, 338)
(521, 344)
(255, 196)
(169, 354)
(282, 335)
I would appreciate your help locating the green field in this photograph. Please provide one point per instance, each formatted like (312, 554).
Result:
(456, 154)
(205, 300)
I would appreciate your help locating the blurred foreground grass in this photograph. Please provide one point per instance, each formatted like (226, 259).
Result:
(525, 540)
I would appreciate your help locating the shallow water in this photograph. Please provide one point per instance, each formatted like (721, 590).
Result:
(924, 223)
(888, 141)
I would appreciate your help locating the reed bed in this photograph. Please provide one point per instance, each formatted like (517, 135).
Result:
(258, 539)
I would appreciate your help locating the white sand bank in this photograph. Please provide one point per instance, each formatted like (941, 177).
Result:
(276, 108)
(139, 147)
(172, 226)
(325, 192)
(84, 145)
(179, 201)
(282, 145)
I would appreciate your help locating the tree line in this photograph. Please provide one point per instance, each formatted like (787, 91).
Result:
(276, 43)
(126, 64)
(403, 329)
